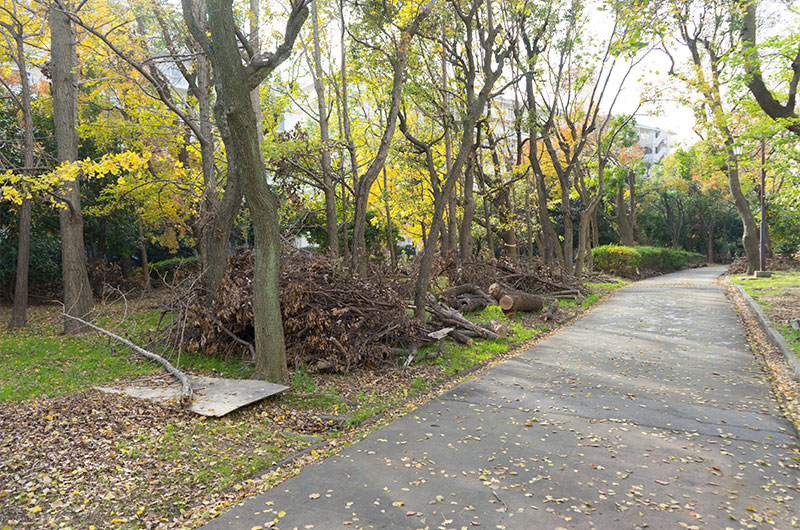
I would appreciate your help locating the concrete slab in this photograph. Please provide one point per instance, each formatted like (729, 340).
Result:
(212, 396)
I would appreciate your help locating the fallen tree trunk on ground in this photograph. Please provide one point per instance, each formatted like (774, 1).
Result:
(183, 379)
(511, 303)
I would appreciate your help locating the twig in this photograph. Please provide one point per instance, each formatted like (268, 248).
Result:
(186, 384)
(235, 338)
(496, 496)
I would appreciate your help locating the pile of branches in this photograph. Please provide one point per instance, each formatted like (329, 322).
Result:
(331, 320)
(527, 275)
(778, 263)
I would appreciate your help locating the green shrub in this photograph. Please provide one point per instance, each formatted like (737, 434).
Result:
(167, 268)
(617, 260)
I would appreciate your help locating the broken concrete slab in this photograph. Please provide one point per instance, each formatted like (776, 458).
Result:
(212, 396)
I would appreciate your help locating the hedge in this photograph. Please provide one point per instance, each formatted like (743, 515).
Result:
(617, 260)
(628, 261)
(167, 268)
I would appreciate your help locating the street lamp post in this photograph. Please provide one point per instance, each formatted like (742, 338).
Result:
(763, 224)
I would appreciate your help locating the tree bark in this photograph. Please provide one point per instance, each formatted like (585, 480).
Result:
(624, 228)
(78, 300)
(785, 112)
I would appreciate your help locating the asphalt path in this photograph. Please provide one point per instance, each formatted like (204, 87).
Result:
(650, 411)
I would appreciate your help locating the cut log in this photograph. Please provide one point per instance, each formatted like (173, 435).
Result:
(471, 303)
(440, 334)
(496, 291)
(499, 328)
(461, 337)
(452, 317)
(511, 303)
(186, 384)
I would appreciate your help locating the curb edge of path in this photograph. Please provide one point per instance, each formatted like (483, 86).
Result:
(774, 336)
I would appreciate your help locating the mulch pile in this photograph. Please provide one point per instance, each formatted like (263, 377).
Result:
(329, 318)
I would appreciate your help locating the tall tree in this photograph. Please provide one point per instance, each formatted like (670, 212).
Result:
(494, 45)
(235, 78)
(15, 46)
(78, 300)
(397, 58)
(708, 32)
(331, 225)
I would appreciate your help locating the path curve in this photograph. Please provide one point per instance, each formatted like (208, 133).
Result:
(651, 411)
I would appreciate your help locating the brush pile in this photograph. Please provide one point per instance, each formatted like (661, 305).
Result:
(528, 275)
(331, 320)
(778, 263)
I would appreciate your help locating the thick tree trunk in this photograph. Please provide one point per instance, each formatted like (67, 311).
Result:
(331, 225)
(624, 228)
(19, 311)
(78, 300)
(511, 303)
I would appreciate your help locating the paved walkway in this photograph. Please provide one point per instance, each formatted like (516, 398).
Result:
(648, 412)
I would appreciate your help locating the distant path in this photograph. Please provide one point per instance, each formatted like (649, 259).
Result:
(651, 410)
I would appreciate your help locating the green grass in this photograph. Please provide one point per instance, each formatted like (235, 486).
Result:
(770, 293)
(40, 363)
(35, 366)
(456, 358)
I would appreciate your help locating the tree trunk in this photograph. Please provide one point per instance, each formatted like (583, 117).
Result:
(78, 300)
(234, 110)
(331, 225)
(19, 312)
(750, 230)
(624, 228)
(389, 234)
(465, 239)
(360, 258)
(511, 303)
(143, 252)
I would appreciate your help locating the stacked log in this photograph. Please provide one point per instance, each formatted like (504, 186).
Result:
(511, 301)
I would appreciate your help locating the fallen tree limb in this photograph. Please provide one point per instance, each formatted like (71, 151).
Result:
(461, 337)
(451, 316)
(467, 288)
(237, 339)
(183, 379)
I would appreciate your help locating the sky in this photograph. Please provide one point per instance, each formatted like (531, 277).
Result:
(667, 114)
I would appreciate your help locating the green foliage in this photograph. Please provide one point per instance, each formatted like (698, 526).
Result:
(167, 268)
(667, 260)
(617, 260)
(627, 261)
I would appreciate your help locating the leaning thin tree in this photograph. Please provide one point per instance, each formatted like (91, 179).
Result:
(237, 71)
